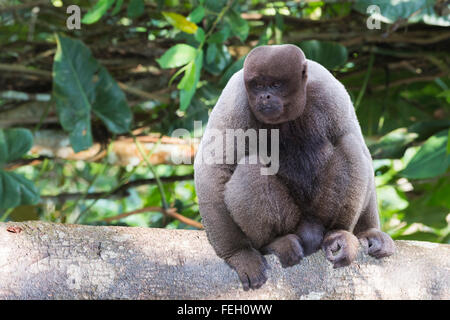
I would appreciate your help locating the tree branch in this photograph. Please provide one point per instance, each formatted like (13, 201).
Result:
(53, 261)
(171, 212)
(119, 192)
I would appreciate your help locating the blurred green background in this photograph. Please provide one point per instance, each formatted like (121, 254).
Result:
(85, 114)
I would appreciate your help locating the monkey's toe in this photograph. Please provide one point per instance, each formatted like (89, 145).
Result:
(377, 243)
(340, 248)
(251, 268)
(287, 249)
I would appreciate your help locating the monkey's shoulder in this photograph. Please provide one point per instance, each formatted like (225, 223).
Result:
(322, 85)
(232, 109)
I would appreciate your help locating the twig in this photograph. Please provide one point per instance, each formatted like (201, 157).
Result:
(152, 169)
(25, 162)
(23, 69)
(411, 80)
(24, 6)
(144, 94)
(120, 191)
(171, 212)
(366, 80)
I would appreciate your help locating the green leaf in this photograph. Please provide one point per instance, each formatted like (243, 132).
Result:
(391, 200)
(221, 60)
(136, 8)
(235, 67)
(186, 95)
(197, 15)
(76, 80)
(211, 53)
(439, 196)
(328, 54)
(239, 26)
(110, 104)
(431, 160)
(117, 7)
(421, 211)
(445, 94)
(393, 144)
(14, 143)
(200, 35)
(97, 11)
(220, 36)
(177, 56)
(180, 22)
(188, 79)
(16, 190)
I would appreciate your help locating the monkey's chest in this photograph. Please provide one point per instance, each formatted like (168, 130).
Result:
(301, 166)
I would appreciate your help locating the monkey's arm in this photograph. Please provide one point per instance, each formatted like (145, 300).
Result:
(227, 239)
(212, 172)
(347, 195)
(223, 233)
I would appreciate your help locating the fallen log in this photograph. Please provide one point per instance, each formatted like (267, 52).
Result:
(40, 260)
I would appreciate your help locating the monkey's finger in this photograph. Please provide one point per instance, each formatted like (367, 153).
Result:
(257, 280)
(245, 281)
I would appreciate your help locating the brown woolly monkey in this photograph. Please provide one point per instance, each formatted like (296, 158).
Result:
(323, 194)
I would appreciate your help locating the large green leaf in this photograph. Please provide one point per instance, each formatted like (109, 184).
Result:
(16, 190)
(80, 86)
(97, 11)
(431, 160)
(393, 144)
(14, 143)
(413, 10)
(421, 211)
(391, 200)
(190, 85)
(235, 67)
(197, 14)
(222, 59)
(220, 36)
(177, 56)
(328, 54)
(239, 26)
(110, 104)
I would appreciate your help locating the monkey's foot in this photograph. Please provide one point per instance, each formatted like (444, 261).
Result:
(376, 243)
(287, 249)
(250, 266)
(340, 247)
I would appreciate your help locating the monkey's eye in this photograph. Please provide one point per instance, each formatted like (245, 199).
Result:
(276, 85)
(259, 86)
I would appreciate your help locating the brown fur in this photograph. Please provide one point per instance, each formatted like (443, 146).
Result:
(324, 191)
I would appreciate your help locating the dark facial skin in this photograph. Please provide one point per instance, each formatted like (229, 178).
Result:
(275, 78)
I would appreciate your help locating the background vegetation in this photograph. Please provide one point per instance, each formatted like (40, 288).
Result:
(80, 108)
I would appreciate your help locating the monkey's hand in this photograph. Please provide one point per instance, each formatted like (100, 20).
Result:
(340, 247)
(287, 249)
(250, 266)
(376, 243)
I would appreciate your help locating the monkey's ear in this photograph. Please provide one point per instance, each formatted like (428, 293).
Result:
(304, 70)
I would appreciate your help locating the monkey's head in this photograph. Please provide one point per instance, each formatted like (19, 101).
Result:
(275, 80)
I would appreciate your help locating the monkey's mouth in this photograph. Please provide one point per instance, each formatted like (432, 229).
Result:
(269, 113)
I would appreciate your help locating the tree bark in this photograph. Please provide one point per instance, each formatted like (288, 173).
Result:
(41, 260)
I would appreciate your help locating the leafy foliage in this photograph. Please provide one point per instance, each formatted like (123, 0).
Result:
(14, 188)
(80, 86)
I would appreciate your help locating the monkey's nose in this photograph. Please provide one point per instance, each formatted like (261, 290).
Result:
(264, 98)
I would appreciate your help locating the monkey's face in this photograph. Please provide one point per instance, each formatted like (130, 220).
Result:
(275, 80)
